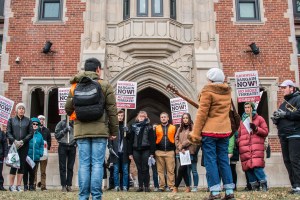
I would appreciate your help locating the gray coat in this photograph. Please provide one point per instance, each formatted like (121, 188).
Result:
(61, 136)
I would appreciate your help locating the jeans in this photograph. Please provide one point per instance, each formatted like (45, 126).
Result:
(90, 170)
(193, 169)
(291, 158)
(257, 173)
(155, 176)
(215, 151)
(124, 167)
(66, 158)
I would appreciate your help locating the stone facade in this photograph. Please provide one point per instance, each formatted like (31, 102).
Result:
(153, 51)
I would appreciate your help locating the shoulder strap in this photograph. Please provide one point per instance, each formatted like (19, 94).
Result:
(233, 106)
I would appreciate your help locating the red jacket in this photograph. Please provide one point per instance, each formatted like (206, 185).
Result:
(251, 146)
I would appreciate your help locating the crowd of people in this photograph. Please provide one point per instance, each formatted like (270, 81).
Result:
(218, 131)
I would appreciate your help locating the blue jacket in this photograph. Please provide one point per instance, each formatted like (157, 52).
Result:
(36, 146)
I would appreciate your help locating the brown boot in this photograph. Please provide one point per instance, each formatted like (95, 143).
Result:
(175, 190)
(188, 189)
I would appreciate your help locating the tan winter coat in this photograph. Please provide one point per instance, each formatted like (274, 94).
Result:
(181, 142)
(212, 117)
(107, 125)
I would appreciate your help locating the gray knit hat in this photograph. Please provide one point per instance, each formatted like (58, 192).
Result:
(20, 105)
(215, 75)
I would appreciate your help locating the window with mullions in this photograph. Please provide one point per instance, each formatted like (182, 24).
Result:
(50, 10)
(157, 8)
(247, 10)
(296, 5)
(173, 9)
(142, 8)
(126, 9)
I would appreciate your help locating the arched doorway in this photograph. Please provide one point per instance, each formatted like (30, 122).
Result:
(153, 102)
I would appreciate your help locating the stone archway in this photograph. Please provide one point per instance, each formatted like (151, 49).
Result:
(152, 78)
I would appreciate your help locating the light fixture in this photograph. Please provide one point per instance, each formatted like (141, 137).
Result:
(254, 48)
(47, 47)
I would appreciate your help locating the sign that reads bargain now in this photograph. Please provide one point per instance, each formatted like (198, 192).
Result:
(62, 98)
(6, 106)
(178, 108)
(126, 94)
(247, 86)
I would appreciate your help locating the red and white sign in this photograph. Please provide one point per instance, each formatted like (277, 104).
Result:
(126, 94)
(62, 98)
(247, 86)
(6, 106)
(178, 108)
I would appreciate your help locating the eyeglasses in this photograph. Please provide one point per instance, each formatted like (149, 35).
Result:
(35, 124)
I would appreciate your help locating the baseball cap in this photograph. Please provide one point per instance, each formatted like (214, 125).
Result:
(287, 83)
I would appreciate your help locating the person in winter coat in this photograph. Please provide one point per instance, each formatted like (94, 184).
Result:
(287, 119)
(141, 147)
(19, 132)
(3, 153)
(251, 146)
(43, 163)
(182, 145)
(119, 155)
(35, 152)
(213, 126)
(66, 153)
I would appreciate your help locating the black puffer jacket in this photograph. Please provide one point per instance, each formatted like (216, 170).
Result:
(19, 129)
(3, 145)
(46, 136)
(290, 125)
(141, 137)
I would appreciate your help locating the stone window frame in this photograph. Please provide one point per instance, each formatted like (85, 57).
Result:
(46, 84)
(261, 13)
(36, 19)
(271, 87)
(139, 14)
(42, 10)
(161, 13)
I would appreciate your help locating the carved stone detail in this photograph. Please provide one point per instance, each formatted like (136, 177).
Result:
(117, 60)
(182, 61)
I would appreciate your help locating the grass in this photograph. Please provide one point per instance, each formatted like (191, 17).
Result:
(273, 193)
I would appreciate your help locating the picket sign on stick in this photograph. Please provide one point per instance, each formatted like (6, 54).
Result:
(247, 86)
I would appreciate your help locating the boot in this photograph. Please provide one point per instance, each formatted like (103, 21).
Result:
(2, 188)
(140, 189)
(255, 186)
(25, 187)
(175, 190)
(264, 186)
(147, 189)
(188, 189)
(63, 189)
(31, 188)
(213, 197)
(228, 197)
(69, 189)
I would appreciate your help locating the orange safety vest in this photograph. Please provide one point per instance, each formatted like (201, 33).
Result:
(160, 133)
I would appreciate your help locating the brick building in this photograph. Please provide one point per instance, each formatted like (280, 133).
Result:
(152, 42)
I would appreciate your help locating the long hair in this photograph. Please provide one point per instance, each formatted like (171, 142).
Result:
(190, 122)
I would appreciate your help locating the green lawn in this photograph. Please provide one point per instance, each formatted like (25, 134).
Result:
(274, 194)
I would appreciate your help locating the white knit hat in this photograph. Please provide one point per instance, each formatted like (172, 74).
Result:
(20, 105)
(215, 75)
(41, 117)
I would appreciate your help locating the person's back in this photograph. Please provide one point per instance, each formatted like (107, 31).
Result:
(92, 135)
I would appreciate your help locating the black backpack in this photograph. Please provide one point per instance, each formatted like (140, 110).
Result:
(88, 100)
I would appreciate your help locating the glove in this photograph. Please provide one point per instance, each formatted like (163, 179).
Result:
(125, 129)
(279, 114)
(194, 139)
(253, 126)
(66, 129)
(275, 115)
(18, 143)
(274, 120)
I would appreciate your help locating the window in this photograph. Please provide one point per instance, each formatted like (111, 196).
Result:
(50, 10)
(298, 44)
(142, 8)
(248, 10)
(296, 5)
(1, 40)
(1, 8)
(126, 9)
(157, 8)
(173, 9)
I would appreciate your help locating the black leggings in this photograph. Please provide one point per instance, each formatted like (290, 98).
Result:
(23, 151)
(141, 160)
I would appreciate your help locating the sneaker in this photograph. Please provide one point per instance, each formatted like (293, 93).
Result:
(168, 189)
(147, 189)
(43, 188)
(19, 189)
(155, 189)
(125, 189)
(194, 189)
(69, 189)
(117, 188)
(12, 188)
(63, 189)
(2, 188)
(25, 187)
(31, 188)
(140, 189)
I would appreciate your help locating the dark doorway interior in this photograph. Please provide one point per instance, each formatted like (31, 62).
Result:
(53, 117)
(151, 101)
(37, 102)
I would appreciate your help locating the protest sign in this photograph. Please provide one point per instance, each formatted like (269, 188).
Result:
(126, 94)
(178, 108)
(62, 98)
(6, 106)
(247, 86)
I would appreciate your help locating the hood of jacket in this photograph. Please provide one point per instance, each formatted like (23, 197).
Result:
(80, 75)
(217, 88)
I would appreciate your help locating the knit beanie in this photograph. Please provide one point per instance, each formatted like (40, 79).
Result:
(215, 75)
(20, 105)
(34, 119)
